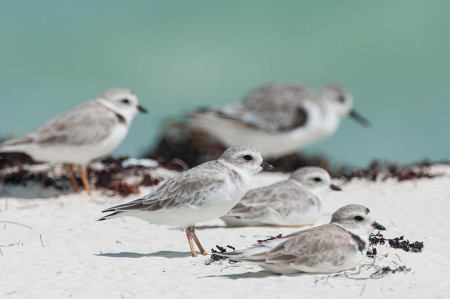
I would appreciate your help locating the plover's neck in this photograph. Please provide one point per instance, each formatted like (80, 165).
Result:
(361, 240)
(297, 183)
(243, 175)
(123, 118)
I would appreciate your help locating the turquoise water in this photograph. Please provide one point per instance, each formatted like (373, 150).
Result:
(394, 56)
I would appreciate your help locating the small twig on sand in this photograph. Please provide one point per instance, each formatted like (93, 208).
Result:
(42, 243)
(362, 291)
(12, 222)
(1, 252)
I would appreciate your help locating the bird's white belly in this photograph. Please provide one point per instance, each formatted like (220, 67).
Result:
(216, 205)
(270, 144)
(77, 154)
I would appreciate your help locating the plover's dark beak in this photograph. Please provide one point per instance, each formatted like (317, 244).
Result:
(359, 118)
(142, 109)
(335, 188)
(378, 226)
(266, 166)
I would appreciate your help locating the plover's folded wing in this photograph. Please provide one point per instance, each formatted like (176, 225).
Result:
(308, 248)
(269, 108)
(85, 124)
(189, 188)
(281, 198)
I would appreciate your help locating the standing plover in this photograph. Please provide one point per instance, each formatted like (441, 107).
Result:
(202, 193)
(337, 246)
(296, 201)
(89, 131)
(279, 120)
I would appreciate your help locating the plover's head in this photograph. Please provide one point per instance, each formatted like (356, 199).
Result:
(122, 101)
(340, 102)
(315, 179)
(246, 158)
(357, 220)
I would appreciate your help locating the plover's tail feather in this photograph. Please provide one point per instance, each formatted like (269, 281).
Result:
(113, 215)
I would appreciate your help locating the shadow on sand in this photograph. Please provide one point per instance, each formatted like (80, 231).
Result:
(260, 274)
(134, 255)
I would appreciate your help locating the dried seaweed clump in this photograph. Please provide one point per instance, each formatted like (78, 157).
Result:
(22, 176)
(8, 160)
(216, 257)
(379, 170)
(386, 270)
(270, 238)
(397, 243)
(113, 177)
(192, 146)
(108, 175)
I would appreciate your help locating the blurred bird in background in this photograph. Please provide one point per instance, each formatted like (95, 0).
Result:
(279, 119)
(87, 132)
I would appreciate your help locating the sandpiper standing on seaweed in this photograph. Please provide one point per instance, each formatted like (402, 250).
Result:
(279, 120)
(87, 132)
(199, 194)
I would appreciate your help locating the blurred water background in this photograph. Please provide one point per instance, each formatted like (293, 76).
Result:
(394, 56)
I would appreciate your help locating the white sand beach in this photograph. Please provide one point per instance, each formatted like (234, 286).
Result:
(54, 248)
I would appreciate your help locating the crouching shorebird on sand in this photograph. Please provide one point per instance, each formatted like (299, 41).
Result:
(296, 201)
(334, 247)
(202, 193)
(279, 119)
(89, 131)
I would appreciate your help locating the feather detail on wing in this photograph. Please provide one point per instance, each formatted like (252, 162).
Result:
(269, 108)
(85, 124)
(189, 188)
(323, 244)
(281, 198)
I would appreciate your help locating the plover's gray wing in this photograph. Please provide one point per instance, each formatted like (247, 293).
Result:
(86, 124)
(189, 188)
(320, 249)
(272, 204)
(269, 108)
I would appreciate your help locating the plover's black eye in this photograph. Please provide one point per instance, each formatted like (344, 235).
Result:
(341, 98)
(358, 218)
(126, 101)
(317, 179)
(248, 157)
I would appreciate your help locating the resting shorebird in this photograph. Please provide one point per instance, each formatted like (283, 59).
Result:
(202, 193)
(87, 132)
(296, 201)
(334, 247)
(279, 120)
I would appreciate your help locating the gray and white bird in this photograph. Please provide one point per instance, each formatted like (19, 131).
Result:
(87, 132)
(202, 193)
(296, 201)
(334, 247)
(279, 119)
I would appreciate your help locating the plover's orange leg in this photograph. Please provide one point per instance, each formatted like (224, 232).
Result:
(189, 237)
(200, 247)
(85, 180)
(73, 180)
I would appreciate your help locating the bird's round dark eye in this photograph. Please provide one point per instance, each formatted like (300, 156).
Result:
(126, 101)
(358, 218)
(341, 99)
(248, 157)
(317, 179)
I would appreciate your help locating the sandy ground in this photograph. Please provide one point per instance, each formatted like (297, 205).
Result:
(53, 248)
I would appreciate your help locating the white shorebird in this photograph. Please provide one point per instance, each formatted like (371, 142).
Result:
(334, 247)
(202, 193)
(87, 132)
(296, 201)
(279, 120)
